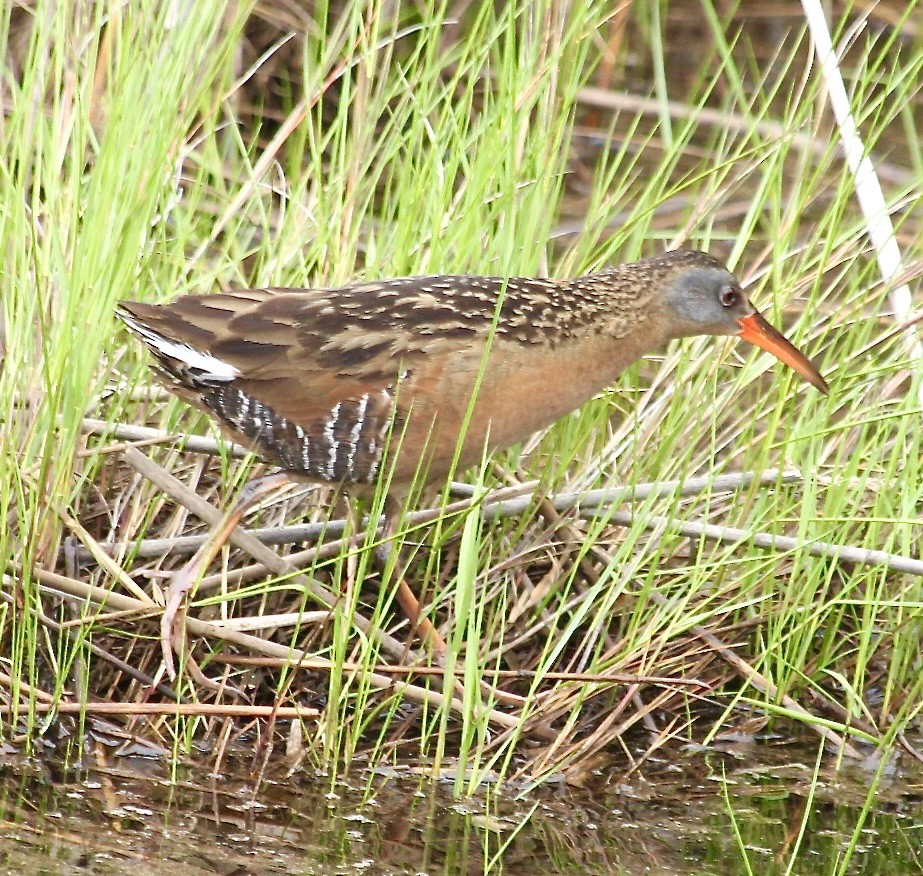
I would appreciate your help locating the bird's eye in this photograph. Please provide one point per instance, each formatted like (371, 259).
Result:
(729, 296)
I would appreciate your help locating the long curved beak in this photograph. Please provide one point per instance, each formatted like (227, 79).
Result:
(757, 331)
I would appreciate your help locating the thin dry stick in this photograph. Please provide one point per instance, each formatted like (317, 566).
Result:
(192, 443)
(692, 529)
(399, 669)
(494, 506)
(326, 550)
(192, 709)
(769, 131)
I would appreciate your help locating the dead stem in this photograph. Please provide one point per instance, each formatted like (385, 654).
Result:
(495, 505)
(770, 541)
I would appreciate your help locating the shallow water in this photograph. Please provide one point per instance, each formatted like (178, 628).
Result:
(704, 816)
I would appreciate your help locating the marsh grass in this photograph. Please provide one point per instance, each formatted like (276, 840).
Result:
(143, 160)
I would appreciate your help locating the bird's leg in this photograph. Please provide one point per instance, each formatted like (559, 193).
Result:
(405, 596)
(184, 580)
(411, 606)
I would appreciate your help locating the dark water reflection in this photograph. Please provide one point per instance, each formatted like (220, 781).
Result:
(127, 817)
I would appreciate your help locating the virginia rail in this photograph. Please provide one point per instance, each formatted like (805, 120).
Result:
(315, 380)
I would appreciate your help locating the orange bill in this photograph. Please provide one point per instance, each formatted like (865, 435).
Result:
(757, 331)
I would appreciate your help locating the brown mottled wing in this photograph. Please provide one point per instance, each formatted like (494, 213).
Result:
(253, 360)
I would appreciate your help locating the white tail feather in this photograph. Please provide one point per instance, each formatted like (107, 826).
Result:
(207, 368)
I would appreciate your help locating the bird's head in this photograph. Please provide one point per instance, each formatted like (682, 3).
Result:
(705, 298)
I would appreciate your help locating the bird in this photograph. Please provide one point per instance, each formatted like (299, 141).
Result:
(413, 378)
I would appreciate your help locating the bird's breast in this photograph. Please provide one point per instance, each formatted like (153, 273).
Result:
(475, 400)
